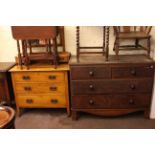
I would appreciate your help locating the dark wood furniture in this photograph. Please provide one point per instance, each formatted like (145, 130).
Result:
(136, 33)
(24, 35)
(7, 117)
(104, 49)
(111, 88)
(6, 91)
(42, 86)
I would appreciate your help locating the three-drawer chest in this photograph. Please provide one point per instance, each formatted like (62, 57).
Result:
(111, 88)
(41, 86)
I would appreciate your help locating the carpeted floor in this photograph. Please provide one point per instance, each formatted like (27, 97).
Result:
(57, 119)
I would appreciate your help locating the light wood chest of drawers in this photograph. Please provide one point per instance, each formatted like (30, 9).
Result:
(42, 86)
(111, 88)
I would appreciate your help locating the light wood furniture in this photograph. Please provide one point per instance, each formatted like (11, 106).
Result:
(6, 90)
(24, 35)
(42, 86)
(7, 117)
(111, 88)
(136, 33)
(104, 48)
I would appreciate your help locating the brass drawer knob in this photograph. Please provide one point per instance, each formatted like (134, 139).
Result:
(27, 88)
(131, 101)
(132, 86)
(29, 101)
(133, 72)
(91, 73)
(53, 88)
(26, 77)
(91, 102)
(52, 77)
(54, 101)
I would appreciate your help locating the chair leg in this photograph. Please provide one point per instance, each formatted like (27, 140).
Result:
(149, 46)
(117, 48)
(136, 43)
(55, 53)
(114, 45)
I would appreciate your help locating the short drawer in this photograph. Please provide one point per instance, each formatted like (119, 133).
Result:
(35, 88)
(112, 86)
(111, 101)
(38, 77)
(139, 71)
(42, 101)
(92, 72)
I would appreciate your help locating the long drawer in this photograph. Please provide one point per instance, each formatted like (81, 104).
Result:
(112, 86)
(91, 72)
(111, 101)
(39, 77)
(40, 100)
(44, 88)
(131, 72)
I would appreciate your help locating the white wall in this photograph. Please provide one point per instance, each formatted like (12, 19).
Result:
(92, 36)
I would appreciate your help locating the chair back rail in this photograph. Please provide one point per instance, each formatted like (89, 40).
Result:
(146, 29)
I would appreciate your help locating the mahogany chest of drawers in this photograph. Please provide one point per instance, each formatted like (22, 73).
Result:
(41, 87)
(6, 92)
(111, 88)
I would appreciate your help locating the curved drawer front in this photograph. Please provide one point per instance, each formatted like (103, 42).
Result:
(111, 101)
(112, 86)
(93, 72)
(35, 88)
(39, 77)
(41, 101)
(135, 71)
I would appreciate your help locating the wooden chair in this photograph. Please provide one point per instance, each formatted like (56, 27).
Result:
(24, 35)
(104, 47)
(135, 33)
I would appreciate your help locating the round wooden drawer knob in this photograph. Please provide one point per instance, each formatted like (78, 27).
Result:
(91, 73)
(91, 87)
(133, 72)
(131, 101)
(132, 86)
(91, 102)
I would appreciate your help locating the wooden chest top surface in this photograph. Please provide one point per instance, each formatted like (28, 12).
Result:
(40, 68)
(98, 59)
(5, 66)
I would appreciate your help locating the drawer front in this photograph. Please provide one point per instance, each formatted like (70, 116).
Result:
(112, 86)
(39, 77)
(40, 100)
(126, 72)
(93, 72)
(111, 101)
(35, 88)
